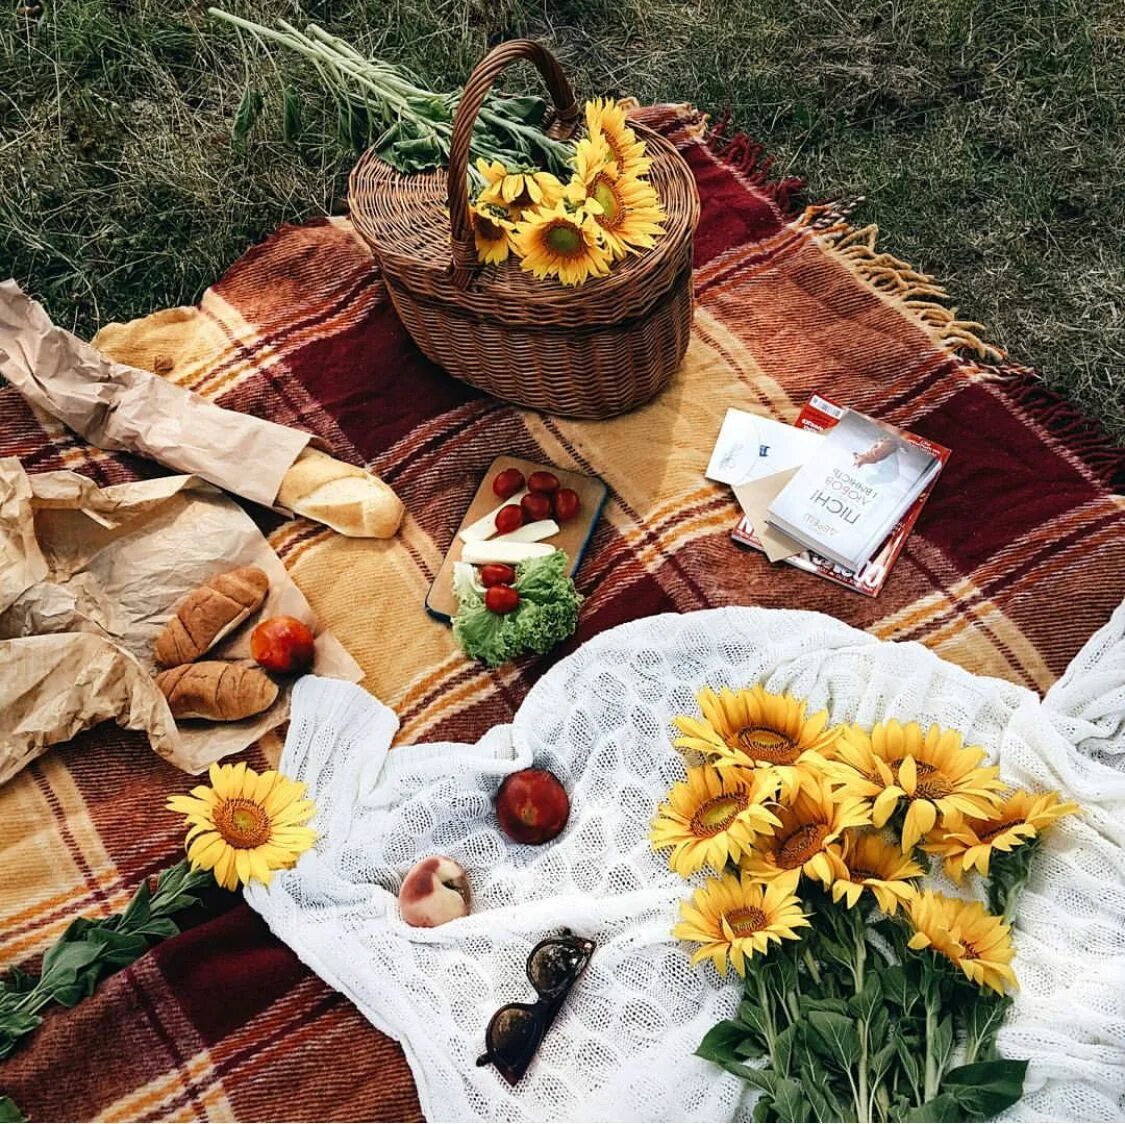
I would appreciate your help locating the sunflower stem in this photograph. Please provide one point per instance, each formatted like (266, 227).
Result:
(932, 1075)
(767, 1010)
(814, 971)
(862, 1104)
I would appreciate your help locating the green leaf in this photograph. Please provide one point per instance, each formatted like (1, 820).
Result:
(10, 1112)
(942, 1044)
(720, 1044)
(985, 1089)
(290, 114)
(811, 1003)
(249, 107)
(838, 1036)
(819, 1092)
(942, 1108)
(753, 1018)
(983, 1018)
(789, 1101)
(865, 1003)
(763, 1109)
(909, 1061)
(783, 1046)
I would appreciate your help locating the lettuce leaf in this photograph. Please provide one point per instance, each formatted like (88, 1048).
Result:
(546, 615)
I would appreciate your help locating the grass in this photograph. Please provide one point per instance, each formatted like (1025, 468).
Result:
(987, 139)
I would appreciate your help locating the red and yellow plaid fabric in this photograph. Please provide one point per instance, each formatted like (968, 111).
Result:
(1018, 558)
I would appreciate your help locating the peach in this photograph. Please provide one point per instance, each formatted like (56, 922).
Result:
(532, 806)
(282, 645)
(435, 891)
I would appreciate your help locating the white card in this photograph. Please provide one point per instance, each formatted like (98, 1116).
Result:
(750, 447)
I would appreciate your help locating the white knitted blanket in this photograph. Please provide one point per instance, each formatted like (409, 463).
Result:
(622, 1047)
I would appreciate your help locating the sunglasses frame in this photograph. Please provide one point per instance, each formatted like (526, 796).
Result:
(544, 1010)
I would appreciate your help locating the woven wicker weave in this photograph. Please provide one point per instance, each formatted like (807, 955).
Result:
(593, 350)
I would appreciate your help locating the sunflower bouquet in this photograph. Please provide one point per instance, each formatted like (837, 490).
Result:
(868, 994)
(575, 230)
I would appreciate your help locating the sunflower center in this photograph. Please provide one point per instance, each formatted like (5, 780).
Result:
(922, 768)
(997, 829)
(970, 952)
(718, 813)
(242, 823)
(862, 873)
(934, 788)
(488, 230)
(605, 194)
(798, 847)
(564, 239)
(764, 744)
(745, 921)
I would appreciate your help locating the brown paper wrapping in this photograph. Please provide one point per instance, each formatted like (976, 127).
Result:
(89, 578)
(119, 408)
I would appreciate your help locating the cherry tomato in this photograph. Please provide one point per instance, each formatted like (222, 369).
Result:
(501, 599)
(566, 504)
(543, 482)
(536, 505)
(496, 573)
(507, 483)
(509, 517)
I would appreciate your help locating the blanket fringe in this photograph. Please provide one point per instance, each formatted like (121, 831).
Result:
(746, 156)
(917, 293)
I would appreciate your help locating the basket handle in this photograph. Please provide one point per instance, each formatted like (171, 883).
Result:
(465, 263)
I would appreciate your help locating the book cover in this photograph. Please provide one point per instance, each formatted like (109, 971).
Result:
(845, 500)
(819, 415)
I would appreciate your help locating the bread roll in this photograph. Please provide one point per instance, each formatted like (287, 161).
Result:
(347, 499)
(209, 613)
(216, 689)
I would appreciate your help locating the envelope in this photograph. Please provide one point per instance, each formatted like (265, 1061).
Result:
(755, 498)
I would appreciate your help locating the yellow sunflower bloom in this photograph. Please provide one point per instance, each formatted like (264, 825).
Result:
(245, 825)
(732, 918)
(560, 243)
(965, 932)
(866, 861)
(526, 187)
(811, 822)
(628, 212)
(755, 729)
(935, 774)
(592, 158)
(712, 817)
(1020, 816)
(492, 232)
(607, 121)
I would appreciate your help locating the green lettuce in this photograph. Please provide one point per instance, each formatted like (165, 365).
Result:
(546, 615)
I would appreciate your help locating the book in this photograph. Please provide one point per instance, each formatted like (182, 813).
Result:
(819, 415)
(844, 501)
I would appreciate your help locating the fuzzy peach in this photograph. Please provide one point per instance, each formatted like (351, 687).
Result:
(435, 891)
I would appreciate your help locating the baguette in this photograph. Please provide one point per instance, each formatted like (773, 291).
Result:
(341, 496)
(216, 689)
(209, 613)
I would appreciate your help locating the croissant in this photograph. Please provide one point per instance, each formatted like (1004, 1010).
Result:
(216, 689)
(209, 613)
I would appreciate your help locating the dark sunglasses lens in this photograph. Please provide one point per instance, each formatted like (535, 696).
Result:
(553, 966)
(513, 1036)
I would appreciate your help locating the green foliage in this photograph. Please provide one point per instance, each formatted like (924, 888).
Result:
(841, 1026)
(89, 950)
(987, 138)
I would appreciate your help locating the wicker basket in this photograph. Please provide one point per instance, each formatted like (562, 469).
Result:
(589, 351)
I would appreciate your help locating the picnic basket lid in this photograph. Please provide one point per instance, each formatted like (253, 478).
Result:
(420, 227)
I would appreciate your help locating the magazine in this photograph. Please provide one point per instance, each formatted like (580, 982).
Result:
(820, 415)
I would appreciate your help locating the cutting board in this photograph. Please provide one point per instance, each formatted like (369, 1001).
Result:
(573, 536)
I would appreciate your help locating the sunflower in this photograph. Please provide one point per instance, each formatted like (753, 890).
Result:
(592, 158)
(246, 825)
(522, 187)
(965, 932)
(1018, 817)
(606, 121)
(557, 242)
(938, 777)
(713, 816)
(755, 729)
(492, 231)
(734, 917)
(628, 212)
(866, 861)
(810, 823)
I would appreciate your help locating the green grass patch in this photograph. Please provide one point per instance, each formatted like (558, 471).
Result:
(987, 139)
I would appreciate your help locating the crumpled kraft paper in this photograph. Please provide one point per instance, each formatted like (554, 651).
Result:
(123, 408)
(89, 578)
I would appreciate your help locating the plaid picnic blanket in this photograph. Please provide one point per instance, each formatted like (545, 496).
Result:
(1018, 558)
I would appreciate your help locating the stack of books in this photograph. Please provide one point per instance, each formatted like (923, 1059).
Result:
(836, 494)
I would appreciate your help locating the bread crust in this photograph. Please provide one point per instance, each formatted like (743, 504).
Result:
(217, 690)
(365, 508)
(209, 613)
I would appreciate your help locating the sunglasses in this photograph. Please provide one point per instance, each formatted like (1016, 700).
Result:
(516, 1030)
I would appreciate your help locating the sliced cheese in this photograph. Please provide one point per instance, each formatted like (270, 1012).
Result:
(510, 553)
(485, 527)
(531, 532)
